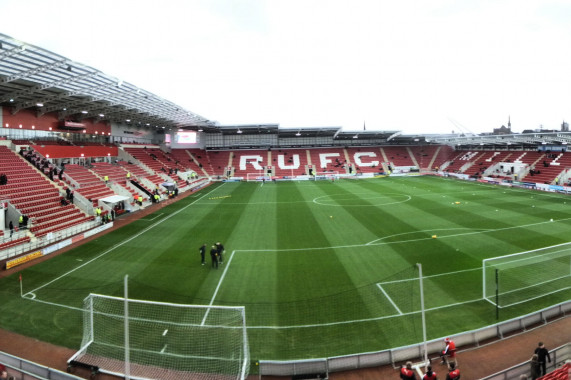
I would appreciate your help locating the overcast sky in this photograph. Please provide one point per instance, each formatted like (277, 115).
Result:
(424, 66)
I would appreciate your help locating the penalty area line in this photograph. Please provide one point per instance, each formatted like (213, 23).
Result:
(390, 299)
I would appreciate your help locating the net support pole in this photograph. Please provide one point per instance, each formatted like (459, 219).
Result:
(497, 295)
(126, 313)
(422, 312)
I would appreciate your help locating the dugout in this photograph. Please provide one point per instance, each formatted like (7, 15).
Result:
(116, 202)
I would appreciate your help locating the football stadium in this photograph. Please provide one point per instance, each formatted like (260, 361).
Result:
(155, 243)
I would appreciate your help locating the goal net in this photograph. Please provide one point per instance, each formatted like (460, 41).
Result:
(330, 176)
(257, 177)
(513, 279)
(163, 340)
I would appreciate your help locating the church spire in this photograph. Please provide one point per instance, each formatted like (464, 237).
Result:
(509, 122)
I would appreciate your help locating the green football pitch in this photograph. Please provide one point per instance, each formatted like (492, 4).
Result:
(322, 268)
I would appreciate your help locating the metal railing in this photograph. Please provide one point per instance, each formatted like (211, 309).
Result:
(558, 358)
(412, 352)
(23, 369)
(45, 240)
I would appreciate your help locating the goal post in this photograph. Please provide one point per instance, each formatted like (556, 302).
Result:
(520, 277)
(165, 340)
(330, 176)
(257, 177)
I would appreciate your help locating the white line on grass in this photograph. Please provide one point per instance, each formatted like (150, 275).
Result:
(483, 231)
(119, 244)
(363, 320)
(389, 298)
(431, 276)
(217, 288)
(150, 220)
(424, 231)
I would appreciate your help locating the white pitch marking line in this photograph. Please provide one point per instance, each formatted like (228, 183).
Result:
(120, 244)
(227, 265)
(165, 332)
(150, 220)
(164, 348)
(389, 298)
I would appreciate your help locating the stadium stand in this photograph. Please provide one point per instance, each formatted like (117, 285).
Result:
(289, 155)
(195, 159)
(351, 152)
(334, 157)
(155, 164)
(90, 185)
(562, 373)
(218, 161)
(438, 156)
(484, 160)
(21, 142)
(51, 142)
(398, 156)
(249, 161)
(35, 196)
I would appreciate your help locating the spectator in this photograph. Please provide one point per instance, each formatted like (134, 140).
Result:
(453, 372)
(542, 353)
(406, 372)
(534, 364)
(523, 377)
(430, 374)
(11, 227)
(448, 355)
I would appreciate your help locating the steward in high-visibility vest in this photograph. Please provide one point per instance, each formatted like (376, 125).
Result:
(106, 179)
(140, 200)
(128, 175)
(157, 198)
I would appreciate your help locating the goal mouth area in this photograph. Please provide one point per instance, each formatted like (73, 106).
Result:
(514, 279)
(330, 175)
(156, 340)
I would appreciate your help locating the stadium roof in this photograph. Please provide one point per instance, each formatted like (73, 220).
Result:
(47, 83)
(37, 79)
(34, 78)
(526, 140)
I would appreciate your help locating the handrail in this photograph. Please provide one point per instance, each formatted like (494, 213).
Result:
(412, 352)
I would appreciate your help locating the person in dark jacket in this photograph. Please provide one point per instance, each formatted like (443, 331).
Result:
(534, 367)
(542, 354)
(202, 251)
(221, 252)
(214, 256)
